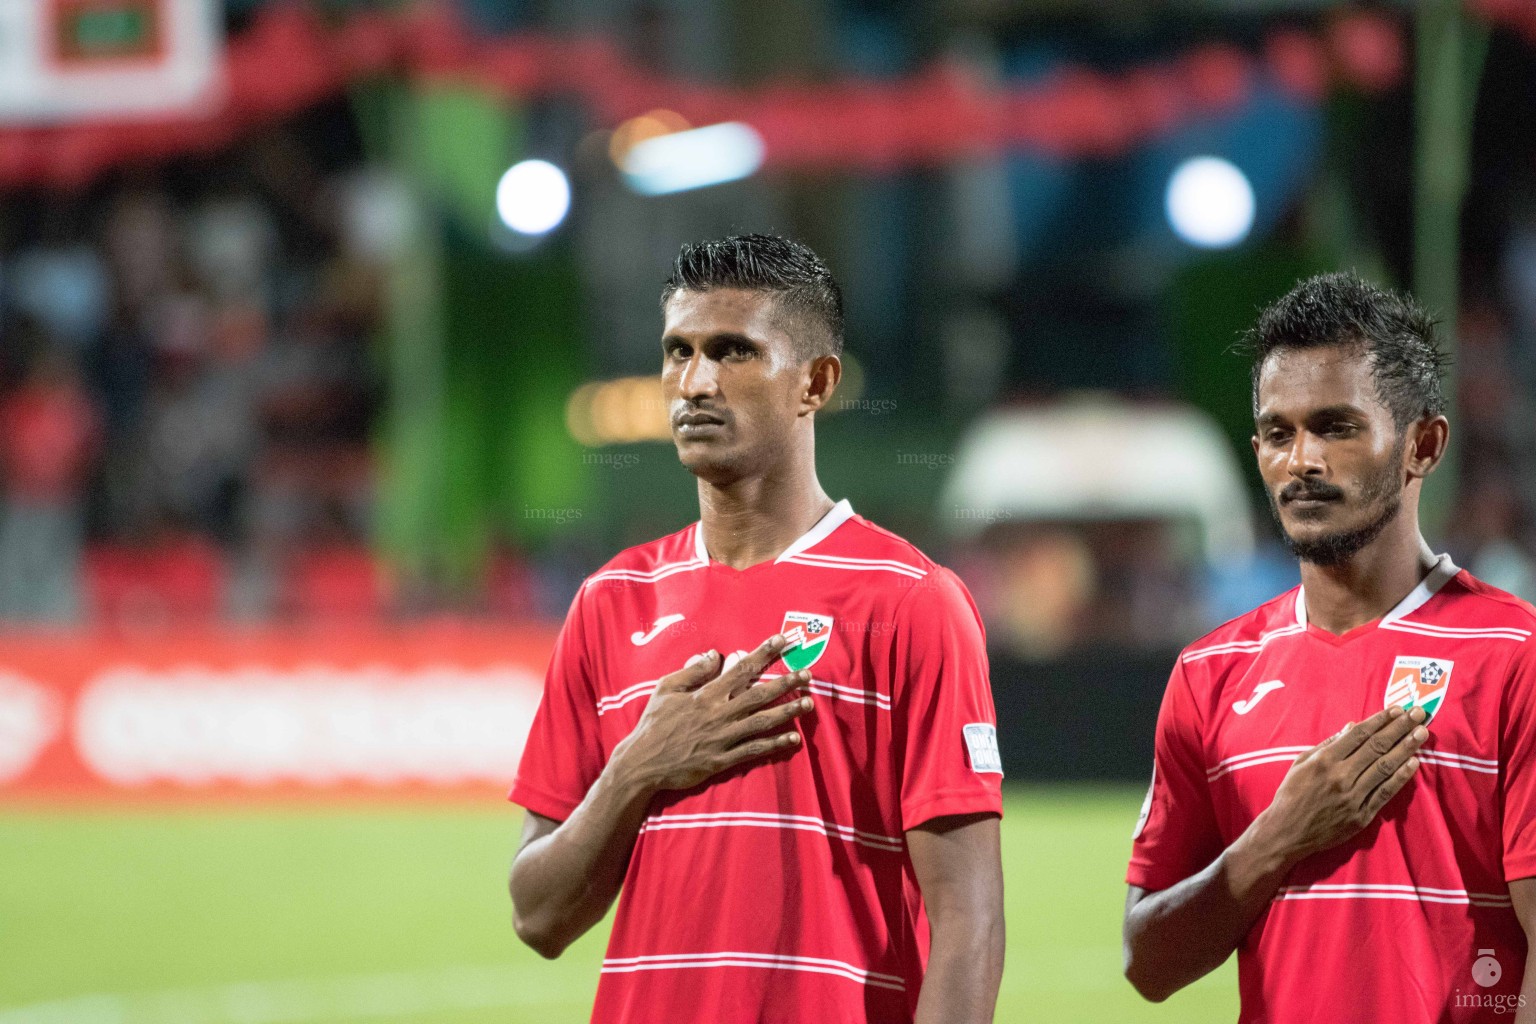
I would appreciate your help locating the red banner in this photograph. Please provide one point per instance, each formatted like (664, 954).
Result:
(290, 58)
(420, 711)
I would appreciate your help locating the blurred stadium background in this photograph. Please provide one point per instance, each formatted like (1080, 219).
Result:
(327, 337)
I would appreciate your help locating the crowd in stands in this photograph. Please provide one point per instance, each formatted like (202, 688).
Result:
(187, 395)
(190, 397)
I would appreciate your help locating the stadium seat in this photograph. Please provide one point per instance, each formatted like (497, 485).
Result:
(180, 582)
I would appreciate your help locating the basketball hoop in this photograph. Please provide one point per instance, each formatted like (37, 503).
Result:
(73, 60)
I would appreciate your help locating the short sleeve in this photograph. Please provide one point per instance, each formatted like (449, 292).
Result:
(945, 719)
(563, 756)
(1517, 765)
(1177, 834)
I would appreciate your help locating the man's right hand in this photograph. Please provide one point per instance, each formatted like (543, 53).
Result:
(702, 721)
(1335, 790)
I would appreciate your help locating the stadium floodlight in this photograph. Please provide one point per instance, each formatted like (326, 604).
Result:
(692, 159)
(533, 197)
(1210, 203)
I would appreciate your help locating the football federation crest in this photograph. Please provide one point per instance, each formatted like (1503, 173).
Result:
(808, 635)
(1418, 683)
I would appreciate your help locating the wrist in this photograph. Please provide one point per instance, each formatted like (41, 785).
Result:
(1264, 850)
(629, 776)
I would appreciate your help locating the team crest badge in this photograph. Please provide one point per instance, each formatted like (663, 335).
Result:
(808, 635)
(1419, 683)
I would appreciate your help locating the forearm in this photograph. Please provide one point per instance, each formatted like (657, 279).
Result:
(965, 969)
(1180, 934)
(1527, 1011)
(564, 882)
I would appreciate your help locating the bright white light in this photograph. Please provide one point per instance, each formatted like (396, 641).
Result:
(533, 197)
(693, 159)
(1210, 203)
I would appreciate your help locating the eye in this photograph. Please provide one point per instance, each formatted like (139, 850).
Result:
(1276, 436)
(676, 350)
(738, 351)
(1338, 430)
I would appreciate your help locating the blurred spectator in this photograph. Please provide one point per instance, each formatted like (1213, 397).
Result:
(49, 435)
(226, 320)
(62, 286)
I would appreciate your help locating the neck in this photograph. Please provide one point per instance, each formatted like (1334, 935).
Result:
(1373, 581)
(754, 519)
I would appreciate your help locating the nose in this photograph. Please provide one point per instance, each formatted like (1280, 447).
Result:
(1305, 458)
(699, 379)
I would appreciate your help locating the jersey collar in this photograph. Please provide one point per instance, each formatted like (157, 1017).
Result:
(1439, 574)
(836, 516)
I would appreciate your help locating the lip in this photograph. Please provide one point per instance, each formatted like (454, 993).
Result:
(697, 424)
(697, 427)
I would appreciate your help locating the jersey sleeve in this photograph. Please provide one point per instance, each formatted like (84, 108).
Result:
(1517, 765)
(944, 717)
(1177, 834)
(563, 755)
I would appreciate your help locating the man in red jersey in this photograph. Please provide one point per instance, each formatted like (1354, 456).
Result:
(1382, 871)
(804, 829)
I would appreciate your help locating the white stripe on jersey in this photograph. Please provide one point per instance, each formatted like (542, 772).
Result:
(1242, 646)
(754, 819)
(769, 961)
(1273, 755)
(819, 687)
(1268, 755)
(624, 696)
(1415, 893)
(856, 564)
(655, 575)
(1447, 760)
(1458, 632)
(837, 692)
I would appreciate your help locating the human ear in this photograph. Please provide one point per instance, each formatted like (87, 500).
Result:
(822, 377)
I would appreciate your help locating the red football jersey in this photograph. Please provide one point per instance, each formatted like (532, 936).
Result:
(1410, 920)
(781, 890)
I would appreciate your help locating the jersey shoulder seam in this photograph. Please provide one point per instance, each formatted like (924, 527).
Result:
(1244, 627)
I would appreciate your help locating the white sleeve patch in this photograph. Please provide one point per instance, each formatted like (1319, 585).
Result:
(1146, 805)
(981, 741)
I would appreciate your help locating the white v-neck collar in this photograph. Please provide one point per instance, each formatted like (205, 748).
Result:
(836, 516)
(1439, 575)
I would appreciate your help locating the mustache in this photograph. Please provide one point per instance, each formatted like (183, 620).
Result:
(1316, 490)
(682, 409)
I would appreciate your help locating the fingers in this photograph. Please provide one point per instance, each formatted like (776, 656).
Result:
(773, 718)
(1400, 730)
(697, 671)
(767, 692)
(1355, 737)
(741, 674)
(761, 747)
(1389, 787)
(1377, 772)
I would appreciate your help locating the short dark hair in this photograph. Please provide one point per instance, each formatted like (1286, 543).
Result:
(1394, 331)
(797, 277)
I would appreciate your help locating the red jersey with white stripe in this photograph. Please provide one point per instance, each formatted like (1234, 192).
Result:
(1410, 920)
(781, 890)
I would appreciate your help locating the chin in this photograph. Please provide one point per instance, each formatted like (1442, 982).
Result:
(707, 461)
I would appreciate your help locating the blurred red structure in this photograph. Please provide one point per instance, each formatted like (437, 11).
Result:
(130, 588)
(289, 60)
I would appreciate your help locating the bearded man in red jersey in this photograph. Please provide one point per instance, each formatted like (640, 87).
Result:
(1384, 871)
(804, 829)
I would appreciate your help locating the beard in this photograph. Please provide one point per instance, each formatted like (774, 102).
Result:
(1382, 490)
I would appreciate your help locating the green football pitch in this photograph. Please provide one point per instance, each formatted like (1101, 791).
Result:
(319, 916)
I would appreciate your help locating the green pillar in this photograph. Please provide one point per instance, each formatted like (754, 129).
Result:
(1449, 52)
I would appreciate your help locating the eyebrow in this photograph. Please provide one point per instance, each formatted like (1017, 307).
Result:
(729, 336)
(1327, 412)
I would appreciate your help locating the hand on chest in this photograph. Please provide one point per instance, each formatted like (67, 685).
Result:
(1295, 695)
(661, 639)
